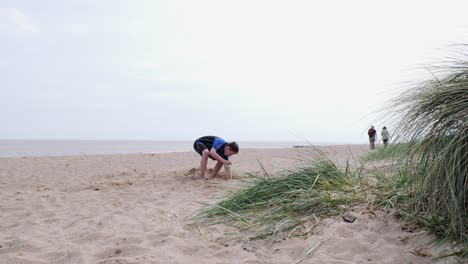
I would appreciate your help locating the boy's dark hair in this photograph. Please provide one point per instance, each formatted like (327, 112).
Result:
(233, 147)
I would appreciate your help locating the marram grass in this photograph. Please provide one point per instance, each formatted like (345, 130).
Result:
(391, 152)
(272, 205)
(432, 118)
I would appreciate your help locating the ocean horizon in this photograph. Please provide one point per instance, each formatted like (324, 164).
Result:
(45, 148)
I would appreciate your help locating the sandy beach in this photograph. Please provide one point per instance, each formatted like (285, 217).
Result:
(137, 208)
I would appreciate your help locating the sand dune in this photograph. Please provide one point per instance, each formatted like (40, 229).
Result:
(138, 208)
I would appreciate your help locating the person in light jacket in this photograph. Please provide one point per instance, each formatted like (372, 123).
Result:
(385, 136)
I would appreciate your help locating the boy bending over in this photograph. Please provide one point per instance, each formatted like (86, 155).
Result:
(218, 149)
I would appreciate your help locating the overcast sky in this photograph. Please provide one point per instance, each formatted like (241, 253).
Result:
(243, 70)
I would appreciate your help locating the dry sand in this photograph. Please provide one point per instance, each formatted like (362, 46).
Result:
(137, 209)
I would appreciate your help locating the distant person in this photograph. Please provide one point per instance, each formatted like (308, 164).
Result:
(372, 137)
(385, 136)
(217, 149)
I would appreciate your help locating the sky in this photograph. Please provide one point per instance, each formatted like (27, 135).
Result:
(244, 70)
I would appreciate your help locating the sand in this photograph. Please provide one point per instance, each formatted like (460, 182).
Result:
(137, 209)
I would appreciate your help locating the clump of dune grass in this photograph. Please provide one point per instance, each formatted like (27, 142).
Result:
(270, 205)
(295, 202)
(395, 190)
(433, 118)
(395, 152)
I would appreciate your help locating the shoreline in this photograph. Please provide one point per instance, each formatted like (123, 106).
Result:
(54, 148)
(4, 156)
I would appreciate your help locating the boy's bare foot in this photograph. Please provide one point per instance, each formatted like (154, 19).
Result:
(209, 175)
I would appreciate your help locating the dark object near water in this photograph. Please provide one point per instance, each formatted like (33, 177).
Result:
(349, 218)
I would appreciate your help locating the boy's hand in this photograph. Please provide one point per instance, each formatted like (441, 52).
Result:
(227, 162)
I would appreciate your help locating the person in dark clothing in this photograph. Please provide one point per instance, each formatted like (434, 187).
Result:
(217, 149)
(372, 137)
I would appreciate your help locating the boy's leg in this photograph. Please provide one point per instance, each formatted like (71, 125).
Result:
(204, 162)
(201, 149)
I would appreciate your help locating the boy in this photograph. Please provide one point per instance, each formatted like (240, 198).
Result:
(216, 149)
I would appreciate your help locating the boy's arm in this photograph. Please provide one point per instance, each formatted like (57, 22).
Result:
(218, 157)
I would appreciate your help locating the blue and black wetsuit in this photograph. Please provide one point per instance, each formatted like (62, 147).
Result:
(209, 142)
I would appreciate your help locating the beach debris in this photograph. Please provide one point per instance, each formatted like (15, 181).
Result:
(370, 212)
(210, 240)
(421, 251)
(118, 251)
(314, 246)
(460, 248)
(349, 218)
(409, 228)
(96, 189)
(403, 239)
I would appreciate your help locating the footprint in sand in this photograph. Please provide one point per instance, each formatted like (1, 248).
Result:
(192, 172)
(195, 172)
(68, 256)
(16, 245)
(121, 251)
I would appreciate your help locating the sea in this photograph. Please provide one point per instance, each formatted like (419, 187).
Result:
(44, 148)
